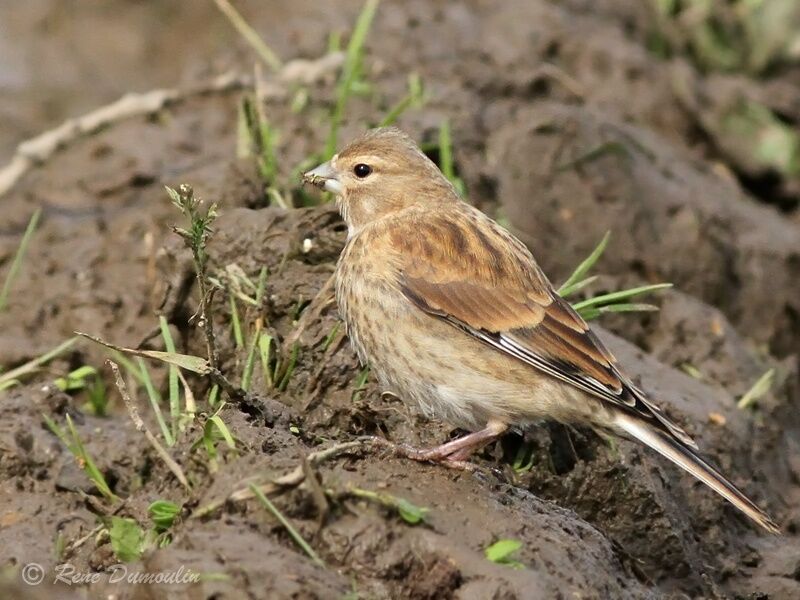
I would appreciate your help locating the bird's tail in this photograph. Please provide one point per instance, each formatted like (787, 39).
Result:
(671, 448)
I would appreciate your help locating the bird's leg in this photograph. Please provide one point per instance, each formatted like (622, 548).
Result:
(455, 452)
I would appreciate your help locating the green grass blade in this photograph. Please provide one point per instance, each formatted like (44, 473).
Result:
(591, 313)
(58, 432)
(223, 430)
(250, 35)
(331, 336)
(236, 324)
(287, 376)
(19, 256)
(262, 285)
(264, 351)
(188, 362)
(576, 287)
(298, 539)
(155, 402)
(247, 373)
(412, 98)
(88, 464)
(616, 297)
(446, 162)
(446, 150)
(568, 287)
(213, 396)
(10, 378)
(760, 387)
(174, 387)
(350, 72)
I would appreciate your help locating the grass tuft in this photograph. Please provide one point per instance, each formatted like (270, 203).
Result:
(612, 302)
(351, 73)
(75, 446)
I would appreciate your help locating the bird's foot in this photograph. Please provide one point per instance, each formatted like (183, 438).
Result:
(452, 454)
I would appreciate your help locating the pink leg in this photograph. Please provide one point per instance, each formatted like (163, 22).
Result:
(455, 452)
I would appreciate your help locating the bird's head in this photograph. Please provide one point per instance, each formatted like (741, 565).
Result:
(378, 174)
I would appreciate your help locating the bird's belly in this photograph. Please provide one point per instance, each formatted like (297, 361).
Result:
(446, 372)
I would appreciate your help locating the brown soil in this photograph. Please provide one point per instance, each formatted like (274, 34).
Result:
(595, 520)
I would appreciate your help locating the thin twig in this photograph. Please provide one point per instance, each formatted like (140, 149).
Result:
(37, 150)
(291, 479)
(287, 525)
(140, 425)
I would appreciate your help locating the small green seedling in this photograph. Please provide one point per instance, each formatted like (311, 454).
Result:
(76, 380)
(163, 514)
(501, 553)
(127, 538)
(523, 461)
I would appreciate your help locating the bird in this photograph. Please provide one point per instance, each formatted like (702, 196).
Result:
(453, 314)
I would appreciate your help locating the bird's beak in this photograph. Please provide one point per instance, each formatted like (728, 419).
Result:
(325, 177)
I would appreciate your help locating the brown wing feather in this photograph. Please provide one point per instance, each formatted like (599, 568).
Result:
(465, 269)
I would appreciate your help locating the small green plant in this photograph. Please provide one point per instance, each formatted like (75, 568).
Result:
(258, 138)
(605, 303)
(523, 460)
(214, 431)
(85, 462)
(129, 540)
(196, 237)
(406, 510)
(501, 553)
(85, 378)
(163, 514)
(76, 380)
(19, 257)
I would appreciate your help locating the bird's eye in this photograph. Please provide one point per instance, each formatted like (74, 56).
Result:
(361, 170)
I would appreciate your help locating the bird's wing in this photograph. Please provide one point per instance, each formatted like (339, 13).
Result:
(466, 270)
